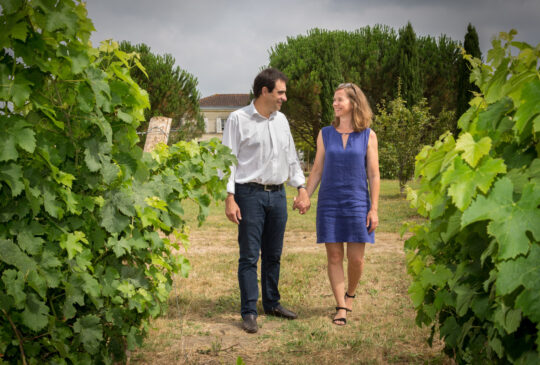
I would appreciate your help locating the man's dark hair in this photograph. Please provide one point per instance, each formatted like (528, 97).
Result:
(268, 78)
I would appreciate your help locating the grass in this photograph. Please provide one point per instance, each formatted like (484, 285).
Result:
(394, 210)
(203, 322)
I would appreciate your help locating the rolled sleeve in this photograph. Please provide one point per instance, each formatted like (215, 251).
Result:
(296, 175)
(230, 139)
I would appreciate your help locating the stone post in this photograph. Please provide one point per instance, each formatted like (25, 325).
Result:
(158, 131)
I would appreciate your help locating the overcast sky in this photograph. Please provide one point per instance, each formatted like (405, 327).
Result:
(225, 43)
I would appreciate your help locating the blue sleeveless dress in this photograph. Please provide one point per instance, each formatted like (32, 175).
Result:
(344, 201)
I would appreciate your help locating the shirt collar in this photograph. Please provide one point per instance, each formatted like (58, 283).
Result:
(253, 111)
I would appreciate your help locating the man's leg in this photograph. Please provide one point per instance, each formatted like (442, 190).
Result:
(272, 246)
(250, 231)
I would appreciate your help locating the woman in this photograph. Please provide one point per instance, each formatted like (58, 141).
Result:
(347, 158)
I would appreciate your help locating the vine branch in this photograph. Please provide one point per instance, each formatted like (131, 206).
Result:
(18, 337)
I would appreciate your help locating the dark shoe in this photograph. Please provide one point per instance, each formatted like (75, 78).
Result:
(279, 311)
(250, 323)
(349, 296)
(340, 321)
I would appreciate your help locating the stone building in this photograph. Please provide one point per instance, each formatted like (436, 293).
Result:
(216, 110)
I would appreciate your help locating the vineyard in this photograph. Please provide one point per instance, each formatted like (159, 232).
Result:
(475, 261)
(91, 228)
(82, 265)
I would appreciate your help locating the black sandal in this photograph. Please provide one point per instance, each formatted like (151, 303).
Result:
(340, 321)
(349, 296)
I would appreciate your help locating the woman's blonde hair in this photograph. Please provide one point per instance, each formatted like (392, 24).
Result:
(361, 111)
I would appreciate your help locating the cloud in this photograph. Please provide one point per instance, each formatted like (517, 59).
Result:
(225, 43)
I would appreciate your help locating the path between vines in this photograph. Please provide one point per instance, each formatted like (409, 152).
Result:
(221, 336)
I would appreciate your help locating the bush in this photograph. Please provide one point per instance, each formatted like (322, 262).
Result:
(474, 262)
(83, 265)
(401, 132)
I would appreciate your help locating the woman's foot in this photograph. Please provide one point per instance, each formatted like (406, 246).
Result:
(349, 301)
(340, 319)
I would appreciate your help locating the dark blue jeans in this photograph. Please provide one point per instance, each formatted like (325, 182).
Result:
(264, 216)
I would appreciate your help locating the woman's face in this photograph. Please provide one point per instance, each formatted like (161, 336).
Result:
(342, 104)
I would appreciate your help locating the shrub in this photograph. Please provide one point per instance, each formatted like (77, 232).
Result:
(83, 266)
(474, 262)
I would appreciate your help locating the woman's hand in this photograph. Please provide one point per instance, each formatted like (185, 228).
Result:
(372, 220)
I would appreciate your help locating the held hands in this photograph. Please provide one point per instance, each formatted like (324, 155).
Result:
(302, 202)
(372, 220)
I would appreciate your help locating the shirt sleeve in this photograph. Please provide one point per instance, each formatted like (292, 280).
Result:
(296, 175)
(231, 140)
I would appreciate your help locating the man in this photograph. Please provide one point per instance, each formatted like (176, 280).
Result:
(260, 138)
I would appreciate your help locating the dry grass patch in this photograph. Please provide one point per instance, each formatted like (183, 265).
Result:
(203, 323)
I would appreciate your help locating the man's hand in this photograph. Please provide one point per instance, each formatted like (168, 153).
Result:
(302, 202)
(232, 210)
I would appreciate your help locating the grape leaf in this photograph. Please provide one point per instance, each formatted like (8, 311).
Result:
(12, 176)
(8, 150)
(74, 294)
(11, 6)
(71, 242)
(61, 19)
(510, 221)
(464, 181)
(5, 82)
(473, 151)
(91, 332)
(490, 118)
(14, 283)
(17, 133)
(28, 242)
(12, 255)
(529, 301)
(530, 105)
(20, 90)
(112, 220)
(35, 313)
(522, 271)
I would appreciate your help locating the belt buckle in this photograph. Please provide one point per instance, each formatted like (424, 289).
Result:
(267, 188)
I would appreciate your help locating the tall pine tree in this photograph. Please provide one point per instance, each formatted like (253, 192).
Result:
(409, 66)
(172, 91)
(465, 87)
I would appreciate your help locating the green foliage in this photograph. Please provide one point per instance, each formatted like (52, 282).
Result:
(475, 261)
(401, 133)
(409, 65)
(466, 88)
(89, 224)
(172, 91)
(317, 62)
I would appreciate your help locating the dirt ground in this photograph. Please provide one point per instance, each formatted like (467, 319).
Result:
(193, 338)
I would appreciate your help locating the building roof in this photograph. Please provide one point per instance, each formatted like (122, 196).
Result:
(225, 100)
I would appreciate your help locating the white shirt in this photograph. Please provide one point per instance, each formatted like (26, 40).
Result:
(264, 148)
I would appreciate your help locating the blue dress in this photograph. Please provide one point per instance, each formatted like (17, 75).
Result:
(344, 201)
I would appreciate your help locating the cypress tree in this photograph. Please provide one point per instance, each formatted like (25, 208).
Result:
(465, 87)
(409, 66)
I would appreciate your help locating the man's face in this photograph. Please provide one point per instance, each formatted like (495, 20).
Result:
(277, 97)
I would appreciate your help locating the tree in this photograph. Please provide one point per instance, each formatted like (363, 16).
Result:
(83, 268)
(409, 66)
(313, 67)
(474, 260)
(466, 88)
(172, 91)
(317, 62)
(401, 133)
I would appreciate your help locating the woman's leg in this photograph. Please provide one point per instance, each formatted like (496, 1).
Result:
(335, 254)
(355, 267)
